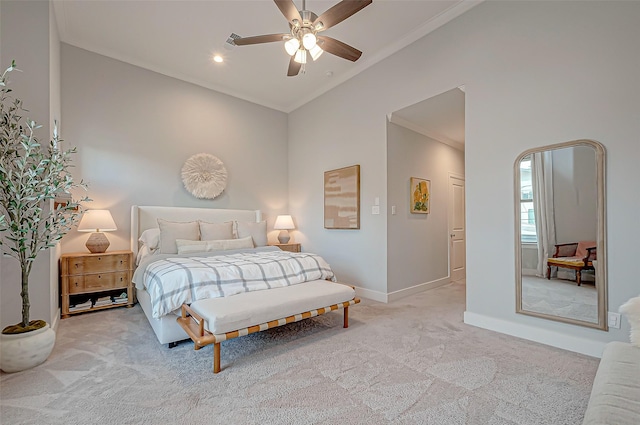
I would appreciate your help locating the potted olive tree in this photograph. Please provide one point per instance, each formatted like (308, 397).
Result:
(31, 176)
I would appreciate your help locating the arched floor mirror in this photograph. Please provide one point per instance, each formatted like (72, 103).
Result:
(561, 253)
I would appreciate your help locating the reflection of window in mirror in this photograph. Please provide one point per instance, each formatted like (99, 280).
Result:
(527, 213)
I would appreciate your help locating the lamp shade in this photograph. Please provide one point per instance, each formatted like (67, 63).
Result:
(292, 46)
(97, 221)
(284, 222)
(315, 52)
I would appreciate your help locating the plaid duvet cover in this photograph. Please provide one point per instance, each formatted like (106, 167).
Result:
(177, 280)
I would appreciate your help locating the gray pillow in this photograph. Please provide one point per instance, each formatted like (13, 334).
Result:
(257, 231)
(171, 230)
(216, 231)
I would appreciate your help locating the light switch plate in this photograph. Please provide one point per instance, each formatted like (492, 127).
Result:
(375, 210)
(614, 320)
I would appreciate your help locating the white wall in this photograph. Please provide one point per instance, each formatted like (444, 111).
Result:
(346, 126)
(134, 129)
(535, 73)
(24, 36)
(55, 117)
(418, 244)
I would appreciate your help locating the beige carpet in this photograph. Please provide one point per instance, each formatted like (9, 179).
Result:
(559, 297)
(409, 362)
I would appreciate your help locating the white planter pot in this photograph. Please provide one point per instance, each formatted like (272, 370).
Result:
(23, 351)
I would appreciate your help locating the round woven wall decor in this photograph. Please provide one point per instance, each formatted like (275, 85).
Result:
(204, 176)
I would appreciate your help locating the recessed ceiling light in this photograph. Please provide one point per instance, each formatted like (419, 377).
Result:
(218, 59)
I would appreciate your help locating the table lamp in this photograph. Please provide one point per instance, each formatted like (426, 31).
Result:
(97, 221)
(284, 223)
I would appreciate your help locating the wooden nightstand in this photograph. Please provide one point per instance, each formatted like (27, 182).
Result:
(90, 282)
(291, 247)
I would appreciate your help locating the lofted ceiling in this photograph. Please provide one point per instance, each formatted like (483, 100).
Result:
(179, 38)
(440, 117)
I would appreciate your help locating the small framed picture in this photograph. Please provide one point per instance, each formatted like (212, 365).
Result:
(420, 195)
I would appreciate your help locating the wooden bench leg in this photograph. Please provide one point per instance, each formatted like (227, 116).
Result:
(548, 272)
(346, 317)
(216, 357)
(578, 277)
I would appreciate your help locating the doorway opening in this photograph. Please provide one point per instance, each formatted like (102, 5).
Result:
(425, 141)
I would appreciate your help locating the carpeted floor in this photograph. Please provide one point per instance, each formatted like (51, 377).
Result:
(560, 298)
(409, 362)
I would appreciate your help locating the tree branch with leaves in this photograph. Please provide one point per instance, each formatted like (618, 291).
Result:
(32, 175)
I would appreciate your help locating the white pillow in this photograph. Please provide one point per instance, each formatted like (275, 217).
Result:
(190, 247)
(216, 231)
(631, 309)
(144, 252)
(150, 238)
(257, 231)
(171, 230)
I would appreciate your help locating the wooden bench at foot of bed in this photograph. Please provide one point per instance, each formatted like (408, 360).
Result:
(212, 321)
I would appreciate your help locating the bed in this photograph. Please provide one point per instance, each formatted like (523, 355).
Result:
(238, 286)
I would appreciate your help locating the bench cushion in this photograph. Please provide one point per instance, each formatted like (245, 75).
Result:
(615, 397)
(240, 311)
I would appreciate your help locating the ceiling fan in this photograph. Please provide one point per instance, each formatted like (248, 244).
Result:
(304, 39)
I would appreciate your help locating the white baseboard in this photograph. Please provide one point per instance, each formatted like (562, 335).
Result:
(560, 340)
(529, 272)
(371, 294)
(396, 295)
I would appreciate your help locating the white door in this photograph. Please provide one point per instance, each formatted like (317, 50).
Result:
(457, 245)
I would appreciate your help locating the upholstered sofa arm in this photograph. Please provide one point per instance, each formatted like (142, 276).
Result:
(615, 396)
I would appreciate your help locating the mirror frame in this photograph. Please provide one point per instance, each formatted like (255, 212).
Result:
(601, 239)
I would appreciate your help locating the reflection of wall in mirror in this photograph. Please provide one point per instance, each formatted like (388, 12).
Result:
(529, 259)
(575, 194)
(575, 203)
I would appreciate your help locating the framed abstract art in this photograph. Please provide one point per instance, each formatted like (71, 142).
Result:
(342, 198)
(420, 195)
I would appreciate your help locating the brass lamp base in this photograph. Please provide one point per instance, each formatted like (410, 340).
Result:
(97, 243)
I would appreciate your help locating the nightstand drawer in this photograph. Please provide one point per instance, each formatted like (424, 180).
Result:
(97, 282)
(97, 263)
(291, 247)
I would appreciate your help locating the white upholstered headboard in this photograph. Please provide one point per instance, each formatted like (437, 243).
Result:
(143, 218)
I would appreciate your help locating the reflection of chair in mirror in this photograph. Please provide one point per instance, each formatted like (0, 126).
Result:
(576, 256)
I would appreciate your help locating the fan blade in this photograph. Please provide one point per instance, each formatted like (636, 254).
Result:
(340, 12)
(338, 48)
(289, 10)
(294, 68)
(244, 41)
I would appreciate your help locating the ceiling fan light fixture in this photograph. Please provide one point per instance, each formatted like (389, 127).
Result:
(315, 52)
(291, 46)
(309, 40)
(302, 40)
(301, 56)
